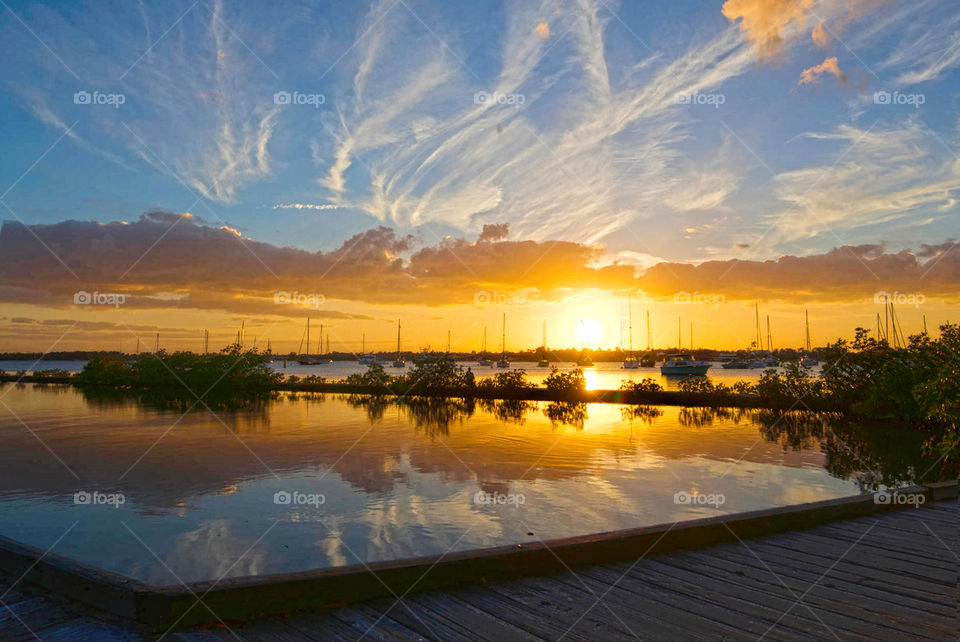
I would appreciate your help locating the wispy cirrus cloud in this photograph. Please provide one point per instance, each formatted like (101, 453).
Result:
(607, 157)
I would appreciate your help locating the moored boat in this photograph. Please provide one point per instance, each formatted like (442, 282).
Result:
(683, 364)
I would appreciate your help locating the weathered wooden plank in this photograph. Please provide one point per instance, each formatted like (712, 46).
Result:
(839, 610)
(567, 594)
(848, 588)
(546, 606)
(920, 546)
(870, 549)
(515, 613)
(697, 616)
(738, 607)
(370, 623)
(730, 592)
(421, 620)
(784, 563)
(487, 624)
(88, 630)
(864, 557)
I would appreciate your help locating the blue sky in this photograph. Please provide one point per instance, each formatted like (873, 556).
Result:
(597, 152)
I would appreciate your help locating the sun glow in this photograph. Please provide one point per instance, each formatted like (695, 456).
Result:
(590, 332)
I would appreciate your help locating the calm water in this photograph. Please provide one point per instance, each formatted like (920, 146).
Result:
(397, 479)
(603, 376)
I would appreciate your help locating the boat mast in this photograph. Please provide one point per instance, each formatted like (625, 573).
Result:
(398, 339)
(630, 325)
(503, 339)
(649, 345)
(769, 336)
(679, 339)
(320, 341)
(806, 314)
(759, 339)
(308, 334)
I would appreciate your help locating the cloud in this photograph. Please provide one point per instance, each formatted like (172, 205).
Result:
(768, 23)
(307, 206)
(579, 153)
(542, 30)
(199, 267)
(812, 75)
(771, 24)
(845, 274)
(820, 35)
(194, 266)
(873, 176)
(933, 65)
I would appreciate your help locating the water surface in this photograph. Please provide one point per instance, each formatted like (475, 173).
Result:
(397, 479)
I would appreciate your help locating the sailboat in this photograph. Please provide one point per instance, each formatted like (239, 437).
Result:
(808, 359)
(398, 362)
(483, 361)
(543, 362)
(306, 360)
(770, 360)
(583, 361)
(366, 358)
(322, 358)
(503, 363)
(631, 361)
(647, 360)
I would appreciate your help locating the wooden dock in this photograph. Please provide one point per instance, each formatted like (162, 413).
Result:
(891, 576)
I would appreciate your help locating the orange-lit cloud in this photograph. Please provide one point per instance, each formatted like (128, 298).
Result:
(850, 274)
(542, 30)
(767, 23)
(820, 35)
(831, 66)
(770, 24)
(200, 267)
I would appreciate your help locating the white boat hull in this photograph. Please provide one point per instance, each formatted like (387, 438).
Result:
(684, 369)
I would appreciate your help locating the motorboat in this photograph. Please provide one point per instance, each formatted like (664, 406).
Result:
(736, 364)
(683, 364)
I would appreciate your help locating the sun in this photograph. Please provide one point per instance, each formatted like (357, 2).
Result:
(590, 332)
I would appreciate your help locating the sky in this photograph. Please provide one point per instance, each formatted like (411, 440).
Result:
(186, 166)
